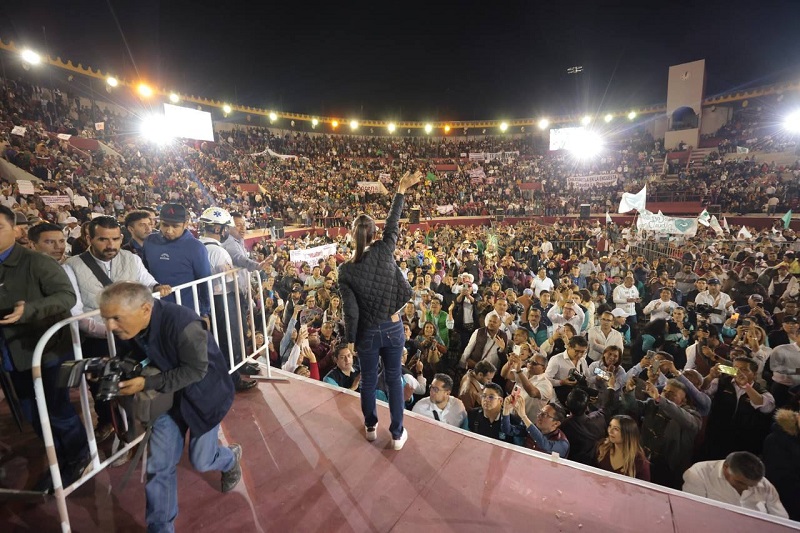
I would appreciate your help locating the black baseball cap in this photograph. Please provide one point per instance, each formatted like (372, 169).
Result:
(713, 281)
(297, 288)
(790, 319)
(172, 213)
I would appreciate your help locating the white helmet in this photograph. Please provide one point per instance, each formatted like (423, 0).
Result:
(216, 215)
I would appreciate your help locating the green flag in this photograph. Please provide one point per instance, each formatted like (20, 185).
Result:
(431, 176)
(787, 218)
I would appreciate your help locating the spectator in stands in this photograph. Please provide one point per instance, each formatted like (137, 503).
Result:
(661, 308)
(626, 296)
(621, 452)
(718, 302)
(140, 225)
(621, 325)
(567, 312)
(48, 239)
(485, 418)
(544, 435)
(737, 480)
(784, 363)
(567, 369)
(537, 331)
(781, 454)
(602, 336)
(583, 428)
(529, 380)
(487, 343)
(440, 405)
(344, 374)
(473, 384)
(601, 371)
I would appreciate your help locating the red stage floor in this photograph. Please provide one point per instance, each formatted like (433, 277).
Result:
(308, 468)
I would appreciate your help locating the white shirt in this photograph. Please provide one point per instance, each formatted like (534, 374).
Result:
(659, 309)
(598, 342)
(559, 365)
(505, 327)
(558, 318)
(707, 479)
(220, 261)
(538, 285)
(621, 295)
(720, 303)
(767, 404)
(784, 362)
(546, 393)
(453, 413)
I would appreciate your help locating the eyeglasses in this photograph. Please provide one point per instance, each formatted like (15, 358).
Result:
(545, 414)
(491, 397)
(534, 363)
(438, 389)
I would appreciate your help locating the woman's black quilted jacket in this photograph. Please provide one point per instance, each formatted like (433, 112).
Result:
(374, 288)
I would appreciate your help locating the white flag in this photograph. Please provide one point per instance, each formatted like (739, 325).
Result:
(99, 126)
(608, 218)
(714, 223)
(18, 130)
(704, 218)
(744, 234)
(631, 201)
(725, 224)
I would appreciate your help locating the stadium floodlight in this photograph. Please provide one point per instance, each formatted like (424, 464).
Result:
(314, 123)
(155, 128)
(632, 115)
(608, 118)
(31, 57)
(144, 90)
(586, 144)
(112, 81)
(391, 127)
(447, 129)
(227, 109)
(503, 126)
(586, 120)
(335, 124)
(543, 123)
(273, 116)
(792, 122)
(428, 128)
(353, 124)
(174, 98)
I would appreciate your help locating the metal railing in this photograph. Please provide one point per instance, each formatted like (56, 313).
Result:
(97, 466)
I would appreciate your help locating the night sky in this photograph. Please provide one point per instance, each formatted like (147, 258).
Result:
(434, 60)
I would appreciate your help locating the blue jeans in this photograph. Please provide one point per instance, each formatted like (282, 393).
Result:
(166, 448)
(386, 341)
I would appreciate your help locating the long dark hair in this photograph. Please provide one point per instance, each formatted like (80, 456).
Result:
(363, 231)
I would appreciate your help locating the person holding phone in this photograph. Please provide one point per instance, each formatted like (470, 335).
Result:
(374, 290)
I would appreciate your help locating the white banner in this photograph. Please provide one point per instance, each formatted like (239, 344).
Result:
(665, 225)
(742, 150)
(476, 173)
(445, 209)
(385, 177)
(19, 130)
(25, 186)
(477, 156)
(312, 255)
(270, 153)
(56, 200)
(64, 136)
(491, 156)
(373, 187)
(593, 180)
(99, 126)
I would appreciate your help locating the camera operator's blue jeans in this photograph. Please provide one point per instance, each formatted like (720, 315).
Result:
(166, 448)
(386, 341)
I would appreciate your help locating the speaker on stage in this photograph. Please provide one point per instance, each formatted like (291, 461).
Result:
(413, 215)
(499, 214)
(586, 210)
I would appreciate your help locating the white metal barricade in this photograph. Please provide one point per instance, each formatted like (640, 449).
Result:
(220, 280)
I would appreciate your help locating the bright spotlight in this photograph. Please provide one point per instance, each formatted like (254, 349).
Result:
(155, 128)
(314, 122)
(31, 57)
(353, 124)
(792, 122)
(227, 109)
(503, 126)
(174, 98)
(608, 118)
(144, 90)
(586, 144)
(273, 116)
(543, 124)
(447, 129)
(632, 115)
(112, 81)
(335, 124)
(428, 128)
(586, 120)
(391, 127)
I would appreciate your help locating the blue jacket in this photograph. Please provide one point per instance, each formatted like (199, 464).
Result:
(201, 404)
(177, 262)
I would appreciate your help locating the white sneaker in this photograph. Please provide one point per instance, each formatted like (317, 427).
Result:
(399, 443)
(372, 432)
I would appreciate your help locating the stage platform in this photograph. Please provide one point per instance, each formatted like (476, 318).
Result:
(308, 468)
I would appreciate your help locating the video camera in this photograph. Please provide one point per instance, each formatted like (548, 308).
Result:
(107, 372)
(706, 310)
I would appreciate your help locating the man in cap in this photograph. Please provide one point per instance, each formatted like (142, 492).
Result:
(21, 229)
(754, 311)
(72, 230)
(621, 325)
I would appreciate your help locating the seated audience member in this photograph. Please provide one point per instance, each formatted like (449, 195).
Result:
(707, 350)
(473, 383)
(485, 419)
(536, 329)
(557, 343)
(788, 329)
(583, 429)
(737, 480)
(440, 405)
(343, 374)
(529, 380)
(600, 372)
(602, 336)
(567, 369)
(741, 410)
(545, 435)
(669, 429)
(568, 313)
(661, 308)
(621, 325)
(785, 367)
(621, 452)
(782, 459)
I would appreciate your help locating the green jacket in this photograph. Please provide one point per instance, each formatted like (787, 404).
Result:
(43, 285)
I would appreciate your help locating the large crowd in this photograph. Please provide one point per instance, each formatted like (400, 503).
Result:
(569, 338)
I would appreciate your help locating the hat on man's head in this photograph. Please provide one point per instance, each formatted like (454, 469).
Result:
(71, 220)
(172, 213)
(619, 312)
(789, 319)
(713, 281)
(467, 275)
(528, 292)
(757, 298)
(20, 219)
(297, 288)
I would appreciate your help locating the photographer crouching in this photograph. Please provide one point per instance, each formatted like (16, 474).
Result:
(171, 338)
